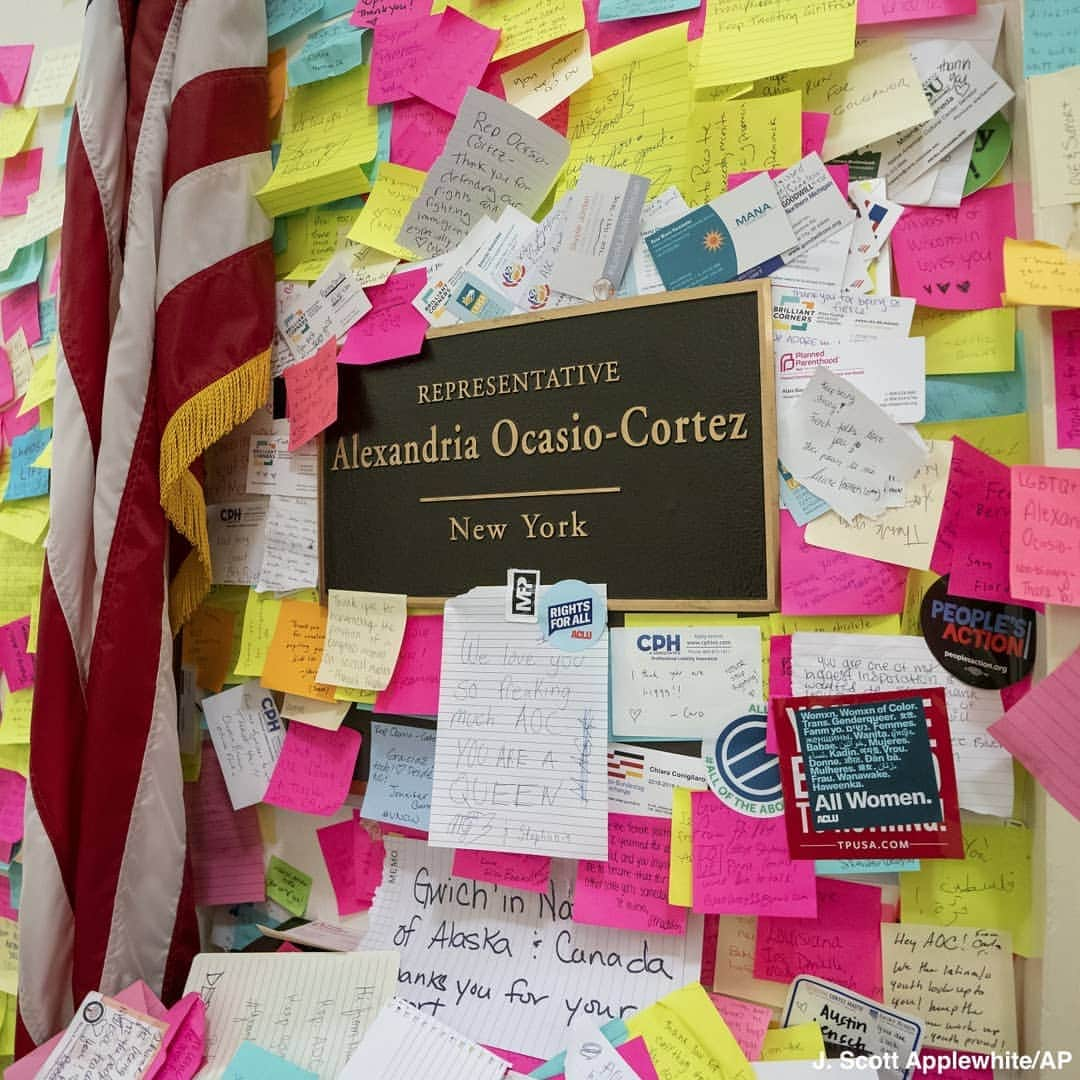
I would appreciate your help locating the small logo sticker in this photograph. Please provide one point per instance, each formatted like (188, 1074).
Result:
(522, 590)
(573, 616)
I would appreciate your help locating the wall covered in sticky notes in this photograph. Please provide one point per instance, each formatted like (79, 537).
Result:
(822, 773)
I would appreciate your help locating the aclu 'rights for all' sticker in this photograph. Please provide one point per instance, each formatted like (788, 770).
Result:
(573, 615)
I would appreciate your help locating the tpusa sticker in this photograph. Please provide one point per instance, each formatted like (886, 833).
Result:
(522, 594)
(573, 615)
(742, 774)
(981, 642)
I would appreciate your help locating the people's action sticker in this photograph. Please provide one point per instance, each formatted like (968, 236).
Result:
(741, 772)
(573, 615)
(981, 642)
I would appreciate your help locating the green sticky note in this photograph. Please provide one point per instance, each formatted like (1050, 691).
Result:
(288, 886)
(993, 140)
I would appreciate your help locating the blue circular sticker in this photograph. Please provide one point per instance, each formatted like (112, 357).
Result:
(742, 773)
(572, 616)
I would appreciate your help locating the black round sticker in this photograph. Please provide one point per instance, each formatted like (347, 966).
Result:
(981, 642)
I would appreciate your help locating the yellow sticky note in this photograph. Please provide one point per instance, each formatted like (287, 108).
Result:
(26, 519)
(329, 132)
(42, 385)
(9, 956)
(207, 645)
(364, 631)
(744, 41)
(384, 212)
(17, 706)
(313, 236)
(35, 619)
(1041, 274)
(327, 715)
(15, 758)
(646, 134)
(725, 137)
(231, 598)
(257, 631)
(1004, 437)
(681, 869)
(547, 80)
(990, 886)
(918, 585)
(20, 582)
(835, 624)
(351, 693)
(7, 1030)
(525, 23)
(295, 651)
(902, 535)
(963, 342)
(721, 92)
(1054, 104)
(44, 459)
(267, 822)
(687, 1038)
(803, 1042)
(877, 93)
(191, 764)
(15, 127)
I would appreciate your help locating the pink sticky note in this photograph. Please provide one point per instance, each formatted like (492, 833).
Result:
(1066, 326)
(629, 890)
(952, 258)
(815, 125)
(22, 177)
(1045, 535)
(7, 379)
(15, 425)
(456, 62)
(393, 328)
(1043, 733)
(314, 770)
(311, 394)
(606, 35)
(398, 50)
(887, 11)
(413, 689)
(381, 12)
(183, 1048)
(841, 944)
(54, 277)
(288, 946)
(368, 859)
(941, 1064)
(819, 581)
(710, 934)
(530, 873)
(14, 64)
(741, 864)
(636, 1054)
(338, 846)
(20, 309)
(1013, 695)
(748, 1023)
(12, 802)
(15, 662)
(6, 910)
(521, 1063)
(418, 133)
(225, 844)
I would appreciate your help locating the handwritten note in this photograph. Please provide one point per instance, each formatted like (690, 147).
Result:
(314, 769)
(413, 689)
(363, 636)
(15, 662)
(465, 48)
(800, 1042)
(1045, 535)
(327, 52)
(960, 981)
(14, 64)
(311, 393)
(1041, 274)
(525, 25)
(22, 176)
(512, 781)
(1066, 330)
(53, 77)
(393, 327)
(529, 873)
(384, 212)
(887, 11)
(419, 133)
(338, 844)
(629, 890)
(288, 886)
(1051, 38)
(292, 660)
(741, 864)
(15, 127)
(547, 80)
(747, 1022)
(400, 778)
(967, 342)
(207, 644)
(384, 12)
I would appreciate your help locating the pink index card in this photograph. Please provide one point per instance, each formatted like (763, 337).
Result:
(14, 64)
(181, 1053)
(225, 844)
(454, 62)
(314, 770)
(1045, 535)
(393, 327)
(20, 309)
(952, 258)
(747, 1022)
(12, 802)
(413, 689)
(311, 394)
(418, 133)
(15, 662)
(529, 873)
(1042, 731)
(842, 944)
(710, 935)
(629, 890)
(1066, 326)
(636, 1054)
(22, 177)
(399, 49)
(381, 12)
(819, 581)
(338, 846)
(741, 864)
(887, 11)
(815, 125)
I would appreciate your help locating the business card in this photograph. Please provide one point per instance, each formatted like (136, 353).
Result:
(826, 311)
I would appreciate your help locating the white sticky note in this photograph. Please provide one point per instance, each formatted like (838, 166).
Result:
(363, 638)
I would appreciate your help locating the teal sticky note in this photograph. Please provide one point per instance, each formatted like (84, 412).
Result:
(65, 134)
(843, 867)
(1051, 37)
(15, 877)
(283, 14)
(26, 482)
(331, 51)
(972, 397)
(636, 9)
(331, 9)
(25, 267)
(252, 1062)
(616, 1033)
(46, 318)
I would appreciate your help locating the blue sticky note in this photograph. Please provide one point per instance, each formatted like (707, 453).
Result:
(252, 1062)
(46, 318)
(611, 10)
(65, 135)
(615, 1031)
(26, 482)
(972, 397)
(331, 51)
(283, 14)
(25, 267)
(399, 783)
(800, 502)
(382, 145)
(1051, 37)
(844, 867)
(331, 9)
(15, 877)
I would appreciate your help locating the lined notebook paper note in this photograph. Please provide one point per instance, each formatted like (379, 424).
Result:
(308, 1007)
(521, 746)
(854, 663)
(403, 1044)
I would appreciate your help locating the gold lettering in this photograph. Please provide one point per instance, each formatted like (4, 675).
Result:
(716, 428)
(624, 425)
(341, 458)
(613, 371)
(740, 419)
(422, 394)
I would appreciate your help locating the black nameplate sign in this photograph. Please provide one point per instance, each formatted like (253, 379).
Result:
(631, 443)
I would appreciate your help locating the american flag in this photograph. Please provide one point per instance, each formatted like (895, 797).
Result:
(166, 321)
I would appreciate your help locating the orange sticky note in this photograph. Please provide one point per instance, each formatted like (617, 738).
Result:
(275, 70)
(207, 646)
(296, 650)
